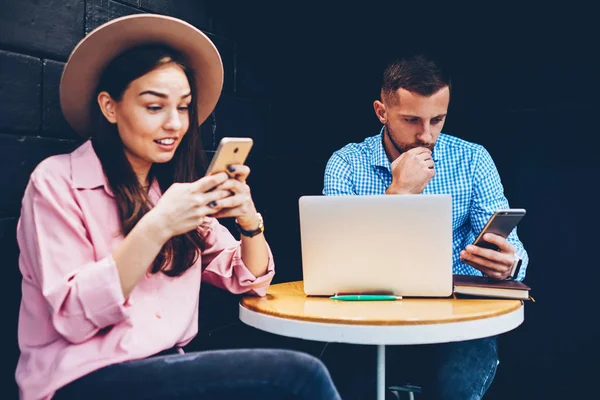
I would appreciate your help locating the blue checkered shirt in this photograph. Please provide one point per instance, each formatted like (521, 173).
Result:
(462, 169)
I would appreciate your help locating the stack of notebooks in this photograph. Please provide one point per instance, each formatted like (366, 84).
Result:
(480, 286)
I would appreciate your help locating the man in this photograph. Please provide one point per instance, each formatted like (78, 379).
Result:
(411, 156)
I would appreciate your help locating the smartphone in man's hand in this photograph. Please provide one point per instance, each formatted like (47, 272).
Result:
(501, 223)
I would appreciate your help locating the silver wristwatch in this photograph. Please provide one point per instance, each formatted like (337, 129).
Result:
(516, 267)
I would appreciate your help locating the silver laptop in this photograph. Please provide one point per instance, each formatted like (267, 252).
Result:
(399, 244)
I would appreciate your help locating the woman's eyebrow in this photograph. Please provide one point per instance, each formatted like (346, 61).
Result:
(162, 95)
(154, 93)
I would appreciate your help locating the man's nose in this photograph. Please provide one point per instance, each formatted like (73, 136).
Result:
(424, 134)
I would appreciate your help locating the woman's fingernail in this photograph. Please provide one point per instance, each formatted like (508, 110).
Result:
(231, 168)
(212, 204)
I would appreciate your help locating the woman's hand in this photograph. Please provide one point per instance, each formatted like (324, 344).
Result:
(239, 204)
(184, 206)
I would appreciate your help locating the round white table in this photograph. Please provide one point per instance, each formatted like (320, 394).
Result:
(287, 311)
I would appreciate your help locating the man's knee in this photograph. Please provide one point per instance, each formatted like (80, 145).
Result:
(467, 369)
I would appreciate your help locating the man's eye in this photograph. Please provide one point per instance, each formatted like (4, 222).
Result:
(436, 120)
(410, 120)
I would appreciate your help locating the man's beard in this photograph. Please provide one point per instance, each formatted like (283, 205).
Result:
(403, 147)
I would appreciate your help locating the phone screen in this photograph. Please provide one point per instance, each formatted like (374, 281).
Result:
(501, 223)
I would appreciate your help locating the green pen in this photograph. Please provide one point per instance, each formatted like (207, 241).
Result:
(366, 297)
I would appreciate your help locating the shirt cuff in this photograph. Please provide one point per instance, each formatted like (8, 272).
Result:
(247, 279)
(100, 293)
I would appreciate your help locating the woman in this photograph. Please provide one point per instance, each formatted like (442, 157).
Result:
(117, 236)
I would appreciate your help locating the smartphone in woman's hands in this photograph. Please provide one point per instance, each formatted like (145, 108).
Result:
(231, 151)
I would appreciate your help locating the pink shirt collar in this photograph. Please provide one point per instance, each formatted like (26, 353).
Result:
(86, 169)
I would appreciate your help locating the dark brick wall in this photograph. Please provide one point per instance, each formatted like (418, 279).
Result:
(301, 78)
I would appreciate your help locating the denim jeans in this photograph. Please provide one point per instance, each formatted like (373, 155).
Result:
(449, 371)
(263, 374)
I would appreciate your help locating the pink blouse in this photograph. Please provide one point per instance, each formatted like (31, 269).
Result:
(73, 318)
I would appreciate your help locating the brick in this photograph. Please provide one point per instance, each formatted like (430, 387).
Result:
(10, 250)
(254, 20)
(209, 155)
(50, 27)
(235, 116)
(208, 131)
(98, 12)
(11, 298)
(220, 20)
(226, 49)
(20, 92)
(250, 74)
(19, 155)
(192, 11)
(135, 3)
(8, 243)
(7, 229)
(54, 123)
(219, 26)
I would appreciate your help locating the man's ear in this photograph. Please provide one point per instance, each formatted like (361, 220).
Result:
(108, 107)
(380, 111)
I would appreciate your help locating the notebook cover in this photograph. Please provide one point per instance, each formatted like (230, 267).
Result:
(482, 281)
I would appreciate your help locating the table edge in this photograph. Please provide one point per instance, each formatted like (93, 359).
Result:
(517, 305)
(381, 334)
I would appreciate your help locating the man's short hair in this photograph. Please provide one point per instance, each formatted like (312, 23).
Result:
(416, 74)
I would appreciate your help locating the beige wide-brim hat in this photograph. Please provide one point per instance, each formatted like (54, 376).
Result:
(95, 51)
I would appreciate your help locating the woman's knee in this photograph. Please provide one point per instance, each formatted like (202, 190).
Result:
(304, 363)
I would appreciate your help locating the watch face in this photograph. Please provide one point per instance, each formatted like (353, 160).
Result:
(260, 221)
(516, 268)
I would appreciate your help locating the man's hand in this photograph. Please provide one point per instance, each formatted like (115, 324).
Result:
(411, 172)
(493, 263)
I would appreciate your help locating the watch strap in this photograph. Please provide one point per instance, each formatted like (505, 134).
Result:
(254, 232)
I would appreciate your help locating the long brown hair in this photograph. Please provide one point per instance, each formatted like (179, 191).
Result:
(188, 163)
